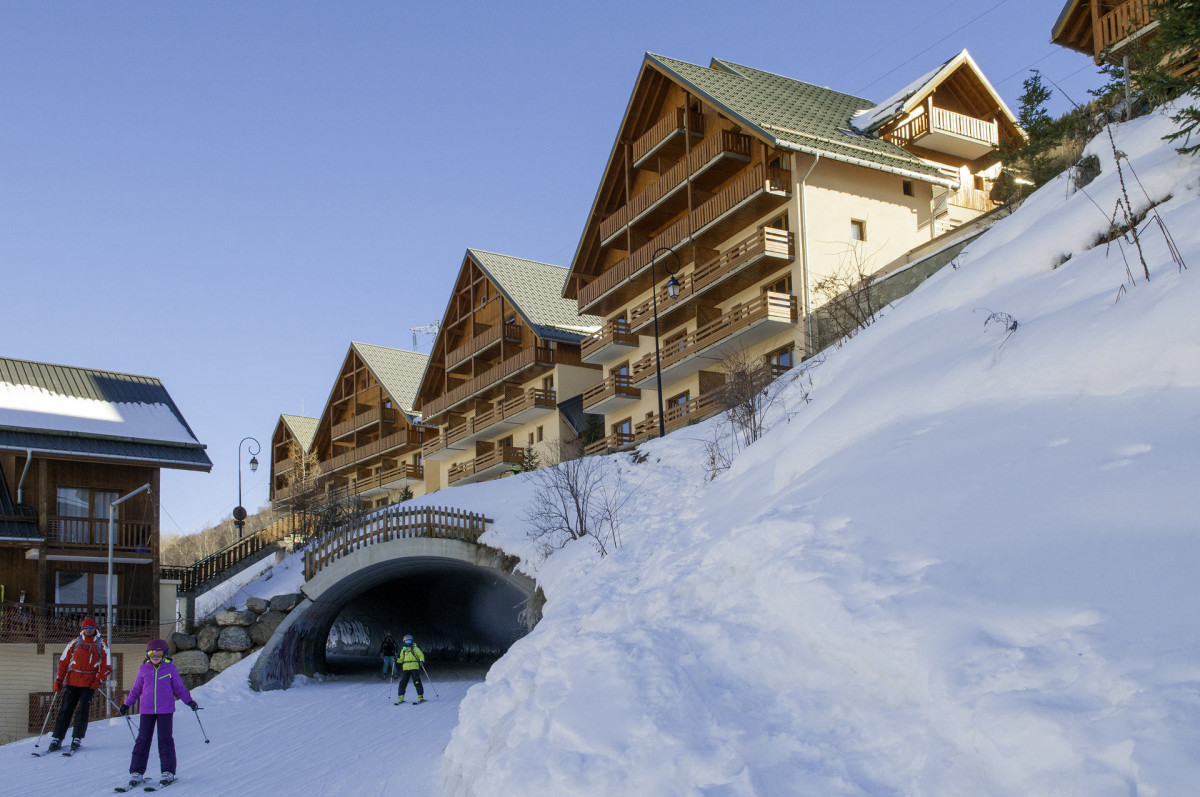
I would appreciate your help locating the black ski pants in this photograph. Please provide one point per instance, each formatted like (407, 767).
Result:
(416, 678)
(76, 700)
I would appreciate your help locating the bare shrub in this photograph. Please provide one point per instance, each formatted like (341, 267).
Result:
(750, 391)
(850, 300)
(575, 498)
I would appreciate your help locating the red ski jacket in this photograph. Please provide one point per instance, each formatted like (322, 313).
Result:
(84, 662)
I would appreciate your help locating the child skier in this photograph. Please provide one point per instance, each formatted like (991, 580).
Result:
(157, 684)
(410, 660)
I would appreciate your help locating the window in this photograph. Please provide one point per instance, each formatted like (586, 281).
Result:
(506, 442)
(675, 343)
(908, 188)
(548, 383)
(979, 186)
(858, 230)
(530, 438)
(780, 223)
(781, 285)
(83, 589)
(679, 400)
(539, 434)
(781, 360)
(89, 506)
(623, 427)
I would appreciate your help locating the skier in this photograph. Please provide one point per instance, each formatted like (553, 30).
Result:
(82, 668)
(388, 651)
(410, 659)
(157, 684)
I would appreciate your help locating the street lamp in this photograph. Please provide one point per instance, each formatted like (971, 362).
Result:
(239, 512)
(673, 292)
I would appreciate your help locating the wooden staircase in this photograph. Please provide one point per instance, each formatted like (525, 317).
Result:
(232, 559)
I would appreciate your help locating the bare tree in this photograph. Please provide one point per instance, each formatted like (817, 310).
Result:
(577, 497)
(850, 298)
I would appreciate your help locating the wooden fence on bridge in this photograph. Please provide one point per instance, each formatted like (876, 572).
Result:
(394, 523)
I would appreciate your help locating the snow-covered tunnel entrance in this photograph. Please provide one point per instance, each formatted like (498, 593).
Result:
(459, 600)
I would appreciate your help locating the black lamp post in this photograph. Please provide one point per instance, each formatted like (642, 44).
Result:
(239, 512)
(673, 292)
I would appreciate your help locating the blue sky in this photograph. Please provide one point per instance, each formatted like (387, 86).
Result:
(225, 194)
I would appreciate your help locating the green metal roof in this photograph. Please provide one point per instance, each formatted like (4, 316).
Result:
(794, 114)
(399, 372)
(535, 290)
(303, 428)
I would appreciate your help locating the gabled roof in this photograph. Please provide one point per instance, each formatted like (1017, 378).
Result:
(535, 290)
(399, 372)
(92, 413)
(793, 114)
(911, 96)
(303, 429)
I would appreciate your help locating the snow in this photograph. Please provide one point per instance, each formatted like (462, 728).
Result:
(960, 562)
(31, 407)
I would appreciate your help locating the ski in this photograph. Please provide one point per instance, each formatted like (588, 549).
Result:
(161, 785)
(130, 786)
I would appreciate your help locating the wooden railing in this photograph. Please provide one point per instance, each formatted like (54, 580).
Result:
(616, 331)
(385, 414)
(500, 455)
(613, 442)
(966, 126)
(211, 568)
(409, 437)
(726, 143)
(671, 123)
(770, 305)
(972, 198)
(755, 179)
(1125, 20)
(128, 535)
(473, 346)
(614, 385)
(394, 523)
(534, 355)
(123, 615)
(767, 240)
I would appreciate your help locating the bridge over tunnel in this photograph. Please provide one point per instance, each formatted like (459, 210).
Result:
(460, 601)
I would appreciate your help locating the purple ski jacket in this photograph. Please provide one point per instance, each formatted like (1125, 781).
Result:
(157, 687)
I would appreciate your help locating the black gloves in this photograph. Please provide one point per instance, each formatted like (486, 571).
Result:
(124, 711)
(192, 705)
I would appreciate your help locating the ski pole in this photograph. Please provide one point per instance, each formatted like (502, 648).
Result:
(196, 713)
(431, 686)
(128, 723)
(49, 711)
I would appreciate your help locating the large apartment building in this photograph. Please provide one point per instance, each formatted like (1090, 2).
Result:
(729, 192)
(504, 366)
(367, 440)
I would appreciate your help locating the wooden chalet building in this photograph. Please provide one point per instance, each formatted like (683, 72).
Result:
(367, 441)
(72, 442)
(505, 361)
(1109, 30)
(761, 185)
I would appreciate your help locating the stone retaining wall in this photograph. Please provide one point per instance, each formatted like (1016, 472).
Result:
(228, 637)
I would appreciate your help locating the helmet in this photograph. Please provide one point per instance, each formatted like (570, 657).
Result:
(408, 639)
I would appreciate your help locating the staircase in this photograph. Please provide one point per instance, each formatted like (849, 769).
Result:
(232, 559)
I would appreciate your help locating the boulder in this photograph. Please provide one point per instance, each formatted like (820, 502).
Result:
(285, 603)
(206, 639)
(179, 641)
(233, 618)
(234, 637)
(225, 659)
(191, 662)
(261, 631)
(258, 605)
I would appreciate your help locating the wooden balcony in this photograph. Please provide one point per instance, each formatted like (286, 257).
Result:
(486, 466)
(946, 131)
(610, 395)
(739, 328)
(1124, 22)
(725, 275)
(404, 474)
(474, 346)
(604, 294)
(665, 139)
(614, 442)
(532, 357)
(364, 419)
(397, 443)
(689, 412)
(611, 343)
(503, 413)
(88, 537)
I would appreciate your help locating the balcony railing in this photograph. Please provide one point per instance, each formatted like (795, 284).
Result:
(616, 386)
(488, 464)
(128, 535)
(534, 355)
(765, 242)
(614, 442)
(1125, 20)
(385, 414)
(614, 332)
(769, 306)
(473, 346)
(405, 438)
(670, 125)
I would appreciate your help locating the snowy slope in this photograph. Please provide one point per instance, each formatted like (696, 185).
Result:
(964, 565)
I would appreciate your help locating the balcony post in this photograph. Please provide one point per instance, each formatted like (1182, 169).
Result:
(662, 427)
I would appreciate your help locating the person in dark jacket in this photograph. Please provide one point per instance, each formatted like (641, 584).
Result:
(388, 651)
(82, 668)
(410, 660)
(158, 685)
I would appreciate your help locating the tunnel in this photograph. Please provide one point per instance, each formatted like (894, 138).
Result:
(460, 601)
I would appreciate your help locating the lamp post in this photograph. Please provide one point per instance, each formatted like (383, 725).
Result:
(239, 512)
(673, 292)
